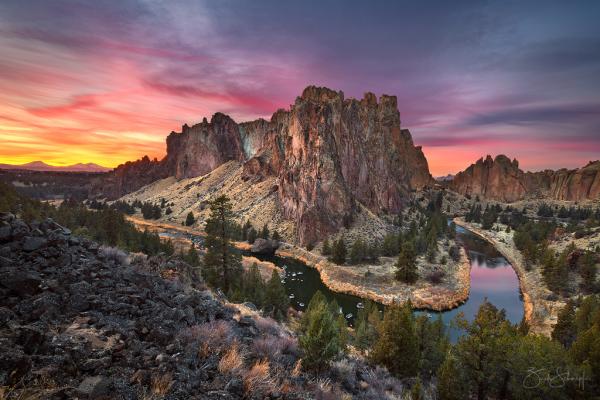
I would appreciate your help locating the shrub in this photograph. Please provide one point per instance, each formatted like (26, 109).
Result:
(258, 378)
(232, 360)
(436, 277)
(271, 347)
(115, 254)
(214, 337)
(161, 384)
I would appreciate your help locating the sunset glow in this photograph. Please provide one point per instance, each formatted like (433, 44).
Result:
(106, 82)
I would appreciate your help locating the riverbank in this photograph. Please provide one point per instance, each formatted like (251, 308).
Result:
(368, 281)
(540, 312)
(377, 283)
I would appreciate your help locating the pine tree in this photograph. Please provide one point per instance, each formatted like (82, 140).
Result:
(264, 233)
(397, 347)
(587, 270)
(276, 301)
(276, 236)
(367, 325)
(450, 385)
(343, 332)
(320, 340)
(252, 235)
(416, 392)
(192, 256)
(564, 330)
(358, 251)
(254, 287)
(406, 267)
(326, 248)
(222, 265)
(189, 220)
(339, 252)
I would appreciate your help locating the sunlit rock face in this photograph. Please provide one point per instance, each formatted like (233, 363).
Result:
(328, 154)
(502, 180)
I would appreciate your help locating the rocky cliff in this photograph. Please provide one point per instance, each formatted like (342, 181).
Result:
(501, 179)
(327, 153)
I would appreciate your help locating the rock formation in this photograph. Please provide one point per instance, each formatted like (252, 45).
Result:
(502, 180)
(328, 154)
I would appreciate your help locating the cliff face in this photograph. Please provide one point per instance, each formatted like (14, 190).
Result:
(327, 153)
(502, 180)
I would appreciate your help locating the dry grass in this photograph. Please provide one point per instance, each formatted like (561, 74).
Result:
(161, 384)
(213, 337)
(271, 347)
(297, 369)
(42, 388)
(232, 360)
(259, 378)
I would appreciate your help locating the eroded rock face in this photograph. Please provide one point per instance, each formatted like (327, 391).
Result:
(502, 180)
(327, 152)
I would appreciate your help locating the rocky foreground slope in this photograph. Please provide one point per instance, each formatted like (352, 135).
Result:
(326, 154)
(502, 180)
(79, 321)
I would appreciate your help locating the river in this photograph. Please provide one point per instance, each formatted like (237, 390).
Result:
(492, 277)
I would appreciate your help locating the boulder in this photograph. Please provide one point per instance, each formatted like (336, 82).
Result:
(95, 387)
(33, 243)
(264, 246)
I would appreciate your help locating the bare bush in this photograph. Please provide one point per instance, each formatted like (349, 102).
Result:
(161, 384)
(271, 347)
(436, 277)
(267, 326)
(115, 254)
(213, 337)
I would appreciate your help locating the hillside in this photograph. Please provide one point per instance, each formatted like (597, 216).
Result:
(42, 166)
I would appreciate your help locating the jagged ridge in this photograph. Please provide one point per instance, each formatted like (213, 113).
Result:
(327, 153)
(501, 179)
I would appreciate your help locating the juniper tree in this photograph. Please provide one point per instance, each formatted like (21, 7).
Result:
(397, 347)
(276, 301)
(406, 267)
(320, 339)
(339, 252)
(190, 220)
(222, 264)
(326, 248)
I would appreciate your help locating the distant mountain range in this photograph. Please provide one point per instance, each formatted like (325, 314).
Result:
(42, 166)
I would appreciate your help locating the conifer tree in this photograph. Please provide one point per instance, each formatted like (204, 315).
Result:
(264, 233)
(192, 256)
(358, 251)
(397, 347)
(339, 252)
(189, 220)
(276, 236)
(450, 385)
(222, 265)
(320, 340)
(276, 301)
(254, 287)
(565, 330)
(252, 235)
(406, 267)
(326, 248)
(587, 271)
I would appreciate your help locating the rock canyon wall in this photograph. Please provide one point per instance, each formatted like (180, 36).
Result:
(502, 180)
(327, 153)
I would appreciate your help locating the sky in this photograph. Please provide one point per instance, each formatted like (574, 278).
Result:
(106, 81)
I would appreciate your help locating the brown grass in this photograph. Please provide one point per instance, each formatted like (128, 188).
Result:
(258, 377)
(161, 384)
(297, 369)
(232, 360)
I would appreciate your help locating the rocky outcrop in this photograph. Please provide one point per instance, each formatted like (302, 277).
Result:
(327, 153)
(499, 179)
(502, 180)
(264, 246)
